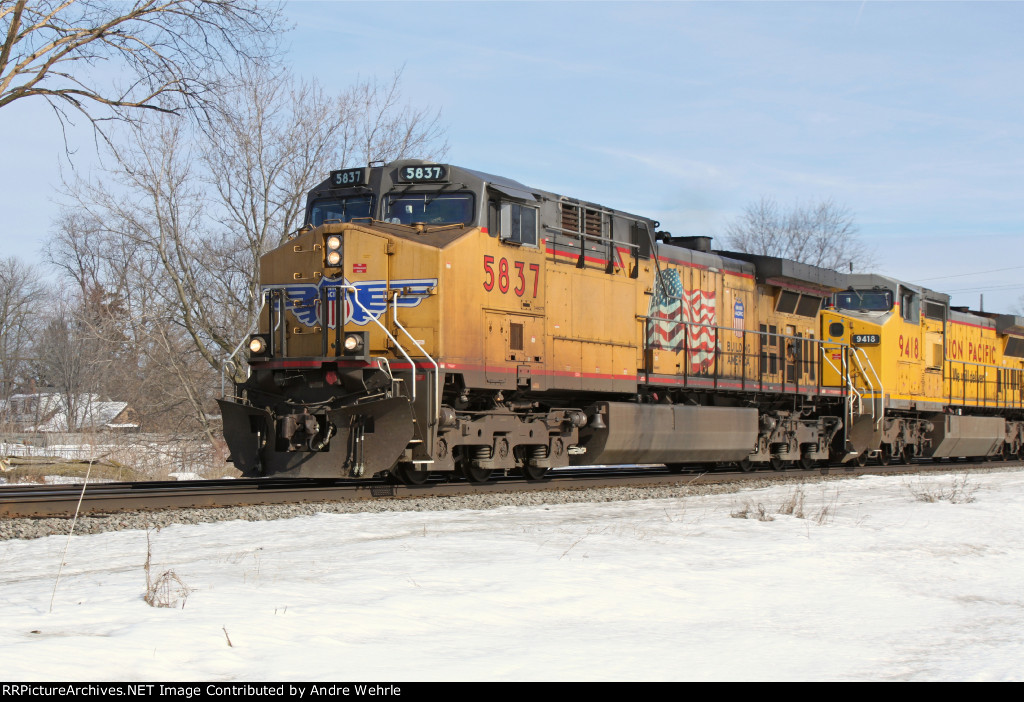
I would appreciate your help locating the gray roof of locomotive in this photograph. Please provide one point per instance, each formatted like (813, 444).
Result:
(384, 179)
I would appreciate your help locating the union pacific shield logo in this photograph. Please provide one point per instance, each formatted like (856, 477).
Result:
(304, 301)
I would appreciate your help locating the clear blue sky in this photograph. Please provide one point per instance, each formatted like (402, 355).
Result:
(910, 114)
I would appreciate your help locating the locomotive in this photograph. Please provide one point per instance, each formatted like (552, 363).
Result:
(432, 319)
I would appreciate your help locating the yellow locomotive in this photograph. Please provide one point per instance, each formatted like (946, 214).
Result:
(435, 319)
(927, 379)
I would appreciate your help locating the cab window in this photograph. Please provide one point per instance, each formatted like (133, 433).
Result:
(341, 209)
(429, 208)
(864, 300)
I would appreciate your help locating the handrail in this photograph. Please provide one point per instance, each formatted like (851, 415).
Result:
(255, 323)
(594, 237)
(384, 360)
(435, 414)
(355, 300)
(881, 388)
(757, 332)
(841, 373)
(820, 344)
(844, 373)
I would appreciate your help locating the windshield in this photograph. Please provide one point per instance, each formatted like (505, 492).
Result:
(864, 300)
(342, 209)
(429, 208)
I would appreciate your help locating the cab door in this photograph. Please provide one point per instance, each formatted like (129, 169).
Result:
(835, 335)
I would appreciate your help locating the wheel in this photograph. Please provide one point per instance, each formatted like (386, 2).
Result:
(746, 465)
(806, 462)
(407, 474)
(534, 472)
(1008, 453)
(884, 455)
(862, 459)
(777, 463)
(906, 456)
(476, 475)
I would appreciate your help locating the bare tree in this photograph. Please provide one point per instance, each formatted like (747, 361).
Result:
(21, 311)
(381, 128)
(175, 229)
(171, 51)
(70, 359)
(265, 154)
(824, 234)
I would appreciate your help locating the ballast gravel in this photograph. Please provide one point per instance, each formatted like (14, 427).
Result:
(34, 528)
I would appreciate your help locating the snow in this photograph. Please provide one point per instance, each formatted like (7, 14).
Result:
(872, 583)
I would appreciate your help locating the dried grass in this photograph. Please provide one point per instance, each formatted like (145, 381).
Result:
(167, 590)
(961, 491)
(793, 506)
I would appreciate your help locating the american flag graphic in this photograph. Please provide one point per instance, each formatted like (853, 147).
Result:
(683, 311)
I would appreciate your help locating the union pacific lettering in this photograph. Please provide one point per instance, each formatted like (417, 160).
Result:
(981, 352)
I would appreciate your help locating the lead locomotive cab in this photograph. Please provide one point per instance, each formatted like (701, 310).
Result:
(342, 369)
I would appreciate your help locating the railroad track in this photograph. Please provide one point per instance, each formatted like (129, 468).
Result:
(111, 498)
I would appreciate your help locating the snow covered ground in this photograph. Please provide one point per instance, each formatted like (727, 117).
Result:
(870, 583)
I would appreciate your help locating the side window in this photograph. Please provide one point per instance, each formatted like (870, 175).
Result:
(808, 305)
(638, 234)
(519, 223)
(909, 306)
(493, 215)
(787, 301)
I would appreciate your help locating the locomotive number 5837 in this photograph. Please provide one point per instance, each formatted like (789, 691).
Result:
(518, 276)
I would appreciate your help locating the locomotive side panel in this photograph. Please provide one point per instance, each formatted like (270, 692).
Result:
(494, 310)
(971, 355)
(700, 321)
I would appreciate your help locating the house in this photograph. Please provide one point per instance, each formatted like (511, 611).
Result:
(48, 411)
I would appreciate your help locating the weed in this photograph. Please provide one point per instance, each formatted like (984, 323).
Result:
(828, 511)
(743, 513)
(168, 589)
(750, 511)
(794, 504)
(961, 491)
(574, 543)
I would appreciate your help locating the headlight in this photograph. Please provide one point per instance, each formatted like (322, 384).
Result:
(334, 243)
(355, 345)
(333, 258)
(257, 345)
